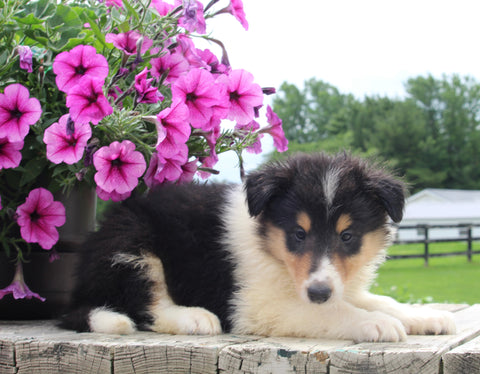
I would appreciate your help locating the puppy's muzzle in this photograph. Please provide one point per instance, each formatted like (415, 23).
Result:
(319, 292)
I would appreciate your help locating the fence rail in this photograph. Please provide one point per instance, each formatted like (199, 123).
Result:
(468, 238)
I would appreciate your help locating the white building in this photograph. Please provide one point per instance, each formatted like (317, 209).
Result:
(441, 207)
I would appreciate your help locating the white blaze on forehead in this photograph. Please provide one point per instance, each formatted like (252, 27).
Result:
(330, 184)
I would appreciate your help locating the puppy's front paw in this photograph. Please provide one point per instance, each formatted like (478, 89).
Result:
(198, 321)
(426, 321)
(380, 327)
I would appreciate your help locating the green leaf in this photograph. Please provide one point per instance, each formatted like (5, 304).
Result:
(32, 170)
(29, 20)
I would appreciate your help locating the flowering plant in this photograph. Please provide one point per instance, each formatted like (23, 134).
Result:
(114, 94)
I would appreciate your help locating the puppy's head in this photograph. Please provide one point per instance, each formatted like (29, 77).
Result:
(325, 217)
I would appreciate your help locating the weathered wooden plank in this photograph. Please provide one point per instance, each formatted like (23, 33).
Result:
(278, 355)
(419, 354)
(155, 353)
(64, 357)
(463, 359)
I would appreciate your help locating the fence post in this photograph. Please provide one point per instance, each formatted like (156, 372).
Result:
(469, 244)
(426, 246)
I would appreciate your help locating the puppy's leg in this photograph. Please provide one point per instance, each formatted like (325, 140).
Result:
(175, 319)
(420, 320)
(107, 321)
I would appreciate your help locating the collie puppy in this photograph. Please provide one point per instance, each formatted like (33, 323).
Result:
(291, 252)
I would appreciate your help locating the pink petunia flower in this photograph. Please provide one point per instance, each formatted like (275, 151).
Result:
(187, 48)
(172, 65)
(166, 169)
(25, 55)
(199, 91)
(81, 61)
(62, 147)
(17, 112)
(244, 95)
(212, 61)
(253, 126)
(192, 18)
(39, 216)
(118, 167)
(114, 196)
(10, 155)
(127, 42)
(173, 128)
(236, 9)
(18, 288)
(146, 92)
(276, 131)
(87, 102)
(162, 7)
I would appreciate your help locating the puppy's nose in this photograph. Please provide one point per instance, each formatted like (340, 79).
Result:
(319, 292)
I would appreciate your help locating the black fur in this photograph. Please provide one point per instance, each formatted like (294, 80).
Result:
(180, 225)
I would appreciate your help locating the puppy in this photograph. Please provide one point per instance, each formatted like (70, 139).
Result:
(292, 252)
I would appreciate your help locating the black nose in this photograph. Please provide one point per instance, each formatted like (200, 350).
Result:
(319, 292)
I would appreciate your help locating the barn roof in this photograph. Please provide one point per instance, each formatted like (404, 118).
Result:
(443, 204)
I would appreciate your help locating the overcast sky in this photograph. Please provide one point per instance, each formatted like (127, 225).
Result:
(367, 47)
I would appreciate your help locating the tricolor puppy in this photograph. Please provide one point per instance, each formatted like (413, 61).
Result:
(292, 252)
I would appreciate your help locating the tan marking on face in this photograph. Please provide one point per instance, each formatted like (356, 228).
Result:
(372, 243)
(343, 223)
(304, 221)
(297, 265)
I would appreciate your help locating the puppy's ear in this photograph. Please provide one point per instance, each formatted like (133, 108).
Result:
(391, 193)
(261, 186)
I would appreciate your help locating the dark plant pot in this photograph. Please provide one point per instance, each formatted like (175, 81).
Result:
(52, 280)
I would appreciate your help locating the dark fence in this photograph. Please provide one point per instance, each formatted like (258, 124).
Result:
(426, 240)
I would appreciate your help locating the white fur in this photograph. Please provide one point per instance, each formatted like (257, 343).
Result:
(106, 321)
(269, 304)
(325, 273)
(330, 184)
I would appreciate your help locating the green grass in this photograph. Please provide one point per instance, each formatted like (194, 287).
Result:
(446, 279)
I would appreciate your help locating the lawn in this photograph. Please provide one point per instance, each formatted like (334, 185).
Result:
(446, 279)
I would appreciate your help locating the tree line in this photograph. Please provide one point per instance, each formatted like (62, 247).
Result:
(431, 136)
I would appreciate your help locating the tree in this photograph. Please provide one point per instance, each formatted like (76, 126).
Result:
(432, 137)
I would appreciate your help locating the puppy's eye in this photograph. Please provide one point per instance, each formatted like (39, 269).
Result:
(300, 234)
(346, 236)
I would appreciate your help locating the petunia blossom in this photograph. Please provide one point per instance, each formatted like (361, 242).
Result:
(244, 95)
(276, 131)
(118, 167)
(199, 91)
(25, 56)
(171, 66)
(62, 147)
(166, 169)
(192, 18)
(10, 155)
(253, 126)
(87, 102)
(114, 196)
(162, 7)
(236, 9)
(39, 216)
(146, 92)
(17, 112)
(81, 61)
(127, 41)
(18, 288)
(173, 128)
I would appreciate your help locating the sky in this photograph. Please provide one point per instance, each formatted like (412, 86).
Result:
(367, 47)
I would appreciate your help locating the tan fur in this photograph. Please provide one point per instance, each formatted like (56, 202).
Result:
(297, 265)
(343, 223)
(304, 221)
(372, 243)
